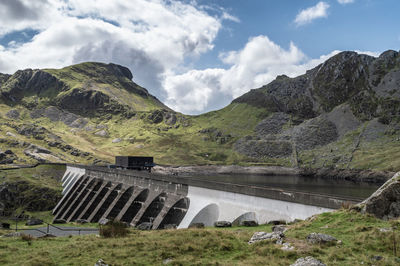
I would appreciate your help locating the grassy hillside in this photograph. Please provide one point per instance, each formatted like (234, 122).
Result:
(362, 243)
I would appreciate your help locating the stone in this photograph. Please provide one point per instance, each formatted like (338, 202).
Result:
(196, 225)
(277, 222)
(34, 221)
(308, 261)
(5, 225)
(385, 202)
(100, 262)
(249, 223)
(167, 261)
(9, 152)
(318, 238)
(279, 228)
(377, 257)
(59, 221)
(9, 134)
(222, 224)
(156, 117)
(117, 140)
(102, 133)
(261, 236)
(170, 226)
(287, 247)
(145, 226)
(103, 221)
(170, 119)
(13, 114)
(385, 230)
(81, 221)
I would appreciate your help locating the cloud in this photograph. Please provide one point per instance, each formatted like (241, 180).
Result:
(257, 64)
(344, 2)
(306, 16)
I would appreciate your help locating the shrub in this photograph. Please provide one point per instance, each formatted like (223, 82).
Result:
(114, 229)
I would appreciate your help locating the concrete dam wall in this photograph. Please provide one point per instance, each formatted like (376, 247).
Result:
(91, 193)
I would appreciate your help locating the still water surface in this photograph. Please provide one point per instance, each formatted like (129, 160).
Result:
(341, 188)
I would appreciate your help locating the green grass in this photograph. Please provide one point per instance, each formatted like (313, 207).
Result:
(360, 236)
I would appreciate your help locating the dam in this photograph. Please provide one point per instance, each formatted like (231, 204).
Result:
(135, 197)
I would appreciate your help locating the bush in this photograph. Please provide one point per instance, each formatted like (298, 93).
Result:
(114, 229)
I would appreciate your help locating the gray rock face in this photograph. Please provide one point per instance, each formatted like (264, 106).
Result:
(102, 133)
(117, 140)
(34, 221)
(144, 226)
(318, 238)
(279, 228)
(170, 119)
(55, 115)
(260, 236)
(308, 261)
(272, 125)
(385, 202)
(156, 117)
(13, 114)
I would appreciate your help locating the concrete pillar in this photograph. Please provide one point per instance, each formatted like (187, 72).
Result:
(92, 204)
(105, 201)
(66, 197)
(85, 201)
(150, 211)
(72, 198)
(83, 193)
(134, 205)
(119, 202)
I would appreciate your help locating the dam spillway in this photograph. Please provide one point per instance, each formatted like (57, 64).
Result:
(135, 197)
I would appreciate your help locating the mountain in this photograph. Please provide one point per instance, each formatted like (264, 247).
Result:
(343, 113)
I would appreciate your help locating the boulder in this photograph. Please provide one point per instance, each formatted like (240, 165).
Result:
(145, 226)
(261, 236)
(102, 133)
(222, 224)
(308, 261)
(9, 134)
(249, 223)
(318, 238)
(117, 140)
(100, 262)
(13, 114)
(5, 225)
(156, 117)
(103, 221)
(34, 221)
(385, 202)
(196, 225)
(170, 226)
(59, 221)
(279, 228)
(81, 221)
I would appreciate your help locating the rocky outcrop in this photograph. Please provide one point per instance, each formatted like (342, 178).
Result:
(13, 114)
(55, 115)
(318, 238)
(22, 194)
(385, 202)
(308, 261)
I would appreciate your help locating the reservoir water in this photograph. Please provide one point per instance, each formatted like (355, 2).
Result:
(331, 187)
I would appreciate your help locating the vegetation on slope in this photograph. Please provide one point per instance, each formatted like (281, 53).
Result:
(362, 243)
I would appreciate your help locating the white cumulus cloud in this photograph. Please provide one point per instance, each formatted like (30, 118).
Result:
(344, 2)
(307, 15)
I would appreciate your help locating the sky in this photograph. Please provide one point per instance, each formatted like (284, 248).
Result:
(194, 55)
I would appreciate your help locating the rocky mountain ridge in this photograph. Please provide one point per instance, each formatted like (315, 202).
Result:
(335, 115)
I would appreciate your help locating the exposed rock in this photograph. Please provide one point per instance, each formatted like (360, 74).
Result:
(272, 125)
(287, 247)
(385, 202)
(32, 130)
(9, 134)
(196, 225)
(103, 221)
(374, 130)
(222, 224)
(170, 226)
(279, 228)
(13, 114)
(308, 261)
(318, 238)
(156, 116)
(82, 221)
(385, 230)
(117, 140)
(102, 133)
(40, 154)
(249, 223)
(144, 226)
(59, 221)
(100, 262)
(170, 119)
(261, 236)
(343, 119)
(34, 221)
